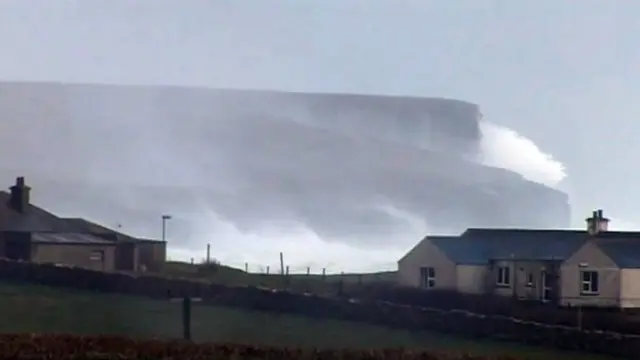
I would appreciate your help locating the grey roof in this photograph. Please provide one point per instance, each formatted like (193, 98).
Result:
(463, 251)
(479, 246)
(150, 241)
(33, 219)
(68, 238)
(431, 238)
(624, 252)
(85, 226)
(69, 230)
(80, 225)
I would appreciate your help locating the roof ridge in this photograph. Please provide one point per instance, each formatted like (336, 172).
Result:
(505, 229)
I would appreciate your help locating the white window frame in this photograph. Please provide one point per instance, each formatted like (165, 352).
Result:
(503, 276)
(587, 284)
(428, 277)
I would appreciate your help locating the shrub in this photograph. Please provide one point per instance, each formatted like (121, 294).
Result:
(67, 347)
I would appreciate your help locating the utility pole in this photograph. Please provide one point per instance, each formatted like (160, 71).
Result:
(164, 226)
(186, 314)
(282, 273)
(281, 264)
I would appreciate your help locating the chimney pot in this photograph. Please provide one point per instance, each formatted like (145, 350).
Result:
(19, 199)
(597, 222)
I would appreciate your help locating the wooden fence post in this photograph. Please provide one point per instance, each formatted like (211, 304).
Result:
(579, 320)
(285, 278)
(186, 315)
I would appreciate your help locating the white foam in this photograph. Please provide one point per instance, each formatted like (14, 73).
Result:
(301, 246)
(505, 148)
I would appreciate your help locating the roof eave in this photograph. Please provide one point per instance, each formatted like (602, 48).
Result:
(83, 243)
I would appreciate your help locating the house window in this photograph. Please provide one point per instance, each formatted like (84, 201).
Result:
(97, 255)
(428, 277)
(504, 276)
(589, 282)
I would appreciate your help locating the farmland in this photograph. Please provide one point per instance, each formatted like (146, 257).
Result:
(315, 283)
(37, 309)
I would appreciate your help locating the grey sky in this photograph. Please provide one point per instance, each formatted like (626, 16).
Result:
(560, 72)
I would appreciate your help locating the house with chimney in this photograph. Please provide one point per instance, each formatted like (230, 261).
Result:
(31, 233)
(591, 267)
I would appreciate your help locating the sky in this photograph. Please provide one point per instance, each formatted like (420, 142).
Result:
(557, 73)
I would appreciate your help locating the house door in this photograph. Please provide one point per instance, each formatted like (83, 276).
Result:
(545, 286)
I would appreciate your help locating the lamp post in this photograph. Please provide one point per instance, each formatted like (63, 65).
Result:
(164, 226)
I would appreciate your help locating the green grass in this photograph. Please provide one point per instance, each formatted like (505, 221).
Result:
(318, 284)
(36, 309)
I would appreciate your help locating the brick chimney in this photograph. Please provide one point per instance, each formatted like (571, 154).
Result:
(19, 200)
(597, 223)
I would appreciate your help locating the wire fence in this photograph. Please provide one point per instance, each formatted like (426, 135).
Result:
(282, 268)
(300, 279)
(293, 270)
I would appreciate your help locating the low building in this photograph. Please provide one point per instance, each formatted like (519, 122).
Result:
(152, 254)
(82, 250)
(592, 267)
(132, 253)
(76, 249)
(30, 233)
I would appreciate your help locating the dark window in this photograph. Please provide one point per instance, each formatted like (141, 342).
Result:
(547, 281)
(504, 276)
(97, 255)
(427, 277)
(589, 282)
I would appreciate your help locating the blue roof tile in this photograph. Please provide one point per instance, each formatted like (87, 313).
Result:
(624, 252)
(463, 251)
(479, 246)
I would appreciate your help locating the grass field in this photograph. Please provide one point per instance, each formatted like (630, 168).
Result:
(36, 309)
(328, 284)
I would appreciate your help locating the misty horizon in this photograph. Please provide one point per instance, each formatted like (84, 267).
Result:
(229, 177)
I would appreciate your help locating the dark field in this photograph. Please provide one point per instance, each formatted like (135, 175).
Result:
(36, 309)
